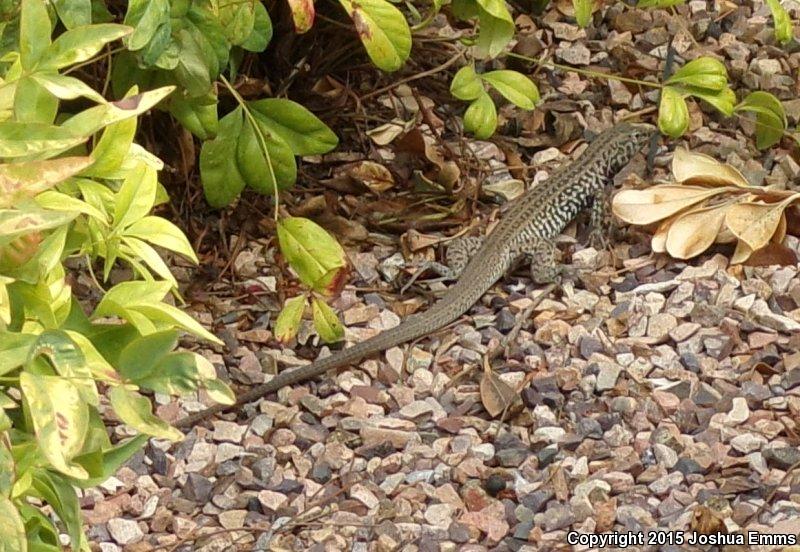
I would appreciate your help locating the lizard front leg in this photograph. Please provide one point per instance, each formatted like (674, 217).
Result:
(601, 222)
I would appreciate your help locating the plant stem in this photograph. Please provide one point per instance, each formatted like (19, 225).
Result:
(587, 72)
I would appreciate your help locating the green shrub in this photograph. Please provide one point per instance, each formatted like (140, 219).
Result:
(64, 202)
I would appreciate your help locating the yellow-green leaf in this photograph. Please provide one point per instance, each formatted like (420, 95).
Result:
(466, 84)
(12, 529)
(135, 410)
(770, 117)
(481, 117)
(514, 86)
(26, 179)
(326, 322)
(673, 113)
(60, 419)
(383, 31)
(288, 323)
(783, 24)
(583, 12)
(703, 72)
(315, 255)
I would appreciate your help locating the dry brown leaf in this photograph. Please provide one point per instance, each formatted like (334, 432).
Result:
(694, 232)
(689, 167)
(774, 253)
(373, 175)
(496, 395)
(384, 134)
(659, 202)
(756, 223)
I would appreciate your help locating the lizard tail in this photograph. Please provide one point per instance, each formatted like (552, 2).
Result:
(458, 299)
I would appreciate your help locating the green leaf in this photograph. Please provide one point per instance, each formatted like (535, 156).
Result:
(95, 118)
(23, 180)
(112, 459)
(481, 117)
(65, 87)
(139, 357)
(770, 117)
(15, 223)
(34, 32)
(383, 31)
(496, 28)
(163, 233)
(24, 139)
(514, 86)
(14, 348)
(68, 361)
(60, 419)
(74, 13)
(140, 304)
(583, 12)
(237, 19)
(135, 410)
(7, 468)
(723, 100)
(57, 492)
(262, 30)
(294, 124)
(219, 168)
(466, 84)
(673, 113)
(288, 323)
(12, 529)
(704, 72)
(33, 103)
(784, 30)
(197, 115)
(326, 322)
(110, 151)
(80, 44)
(264, 173)
(313, 254)
(135, 197)
(194, 70)
(148, 18)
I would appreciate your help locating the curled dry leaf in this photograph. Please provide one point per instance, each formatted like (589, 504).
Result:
(696, 168)
(659, 202)
(756, 223)
(694, 232)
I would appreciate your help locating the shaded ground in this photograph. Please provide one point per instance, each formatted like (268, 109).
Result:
(655, 393)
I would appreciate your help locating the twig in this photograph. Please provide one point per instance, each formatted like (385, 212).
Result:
(418, 76)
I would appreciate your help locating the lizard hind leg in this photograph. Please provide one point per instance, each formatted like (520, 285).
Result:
(544, 267)
(459, 252)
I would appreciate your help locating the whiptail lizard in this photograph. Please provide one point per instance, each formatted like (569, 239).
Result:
(527, 228)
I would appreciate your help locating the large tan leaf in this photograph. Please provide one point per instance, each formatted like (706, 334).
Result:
(659, 202)
(756, 223)
(696, 168)
(694, 232)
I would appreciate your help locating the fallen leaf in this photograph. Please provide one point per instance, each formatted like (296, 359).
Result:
(496, 395)
(694, 232)
(696, 168)
(756, 223)
(659, 202)
(373, 175)
(773, 253)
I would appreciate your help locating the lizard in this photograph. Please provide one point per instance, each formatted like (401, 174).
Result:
(527, 229)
